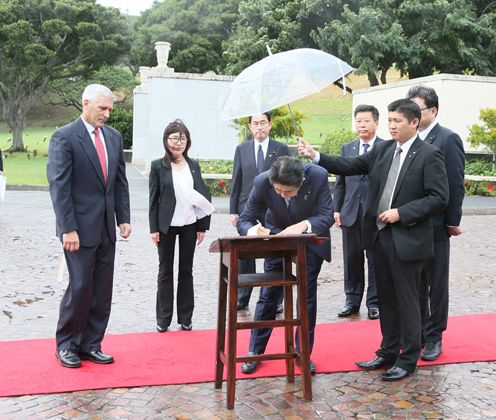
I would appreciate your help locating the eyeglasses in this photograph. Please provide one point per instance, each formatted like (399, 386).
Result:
(177, 140)
(427, 107)
(259, 123)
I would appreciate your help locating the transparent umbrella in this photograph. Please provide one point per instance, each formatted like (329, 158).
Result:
(280, 79)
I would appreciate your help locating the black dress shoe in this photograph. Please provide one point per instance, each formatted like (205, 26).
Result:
(161, 329)
(313, 368)
(373, 312)
(348, 310)
(431, 351)
(394, 374)
(373, 364)
(242, 306)
(96, 357)
(68, 358)
(280, 308)
(186, 327)
(249, 367)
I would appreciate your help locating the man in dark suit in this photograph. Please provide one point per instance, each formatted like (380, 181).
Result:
(434, 294)
(251, 158)
(89, 191)
(296, 199)
(350, 193)
(407, 186)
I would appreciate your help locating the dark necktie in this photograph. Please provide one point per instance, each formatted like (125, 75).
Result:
(384, 202)
(365, 147)
(100, 150)
(260, 159)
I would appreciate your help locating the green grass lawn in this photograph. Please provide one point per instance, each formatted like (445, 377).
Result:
(24, 168)
(326, 112)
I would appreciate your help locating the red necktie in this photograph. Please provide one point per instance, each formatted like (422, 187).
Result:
(100, 150)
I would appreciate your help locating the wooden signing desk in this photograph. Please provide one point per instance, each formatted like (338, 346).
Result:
(292, 249)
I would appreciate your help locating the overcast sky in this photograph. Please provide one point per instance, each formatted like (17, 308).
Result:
(131, 7)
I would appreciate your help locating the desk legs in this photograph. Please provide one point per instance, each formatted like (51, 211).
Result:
(301, 273)
(221, 326)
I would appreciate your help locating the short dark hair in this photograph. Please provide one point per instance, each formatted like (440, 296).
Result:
(367, 108)
(426, 93)
(267, 114)
(286, 171)
(406, 107)
(176, 126)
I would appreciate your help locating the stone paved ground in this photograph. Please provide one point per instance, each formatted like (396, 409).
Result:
(33, 279)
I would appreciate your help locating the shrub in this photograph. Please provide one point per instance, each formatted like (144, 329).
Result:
(486, 188)
(479, 167)
(218, 187)
(335, 140)
(122, 120)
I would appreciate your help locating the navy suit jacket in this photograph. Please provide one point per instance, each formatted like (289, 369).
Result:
(163, 199)
(313, 203)
(421, 191)
(81, 199)
(351, 191)
(245, 171)
(454, 159)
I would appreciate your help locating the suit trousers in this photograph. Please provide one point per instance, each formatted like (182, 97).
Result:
(269, 297)
(354, 266)
(85, 306)
(398, 284)
(434, 293)
(185, 300)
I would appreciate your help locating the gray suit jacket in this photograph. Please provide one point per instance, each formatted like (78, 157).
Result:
(245, 171)
(81, 199)
(351, 191)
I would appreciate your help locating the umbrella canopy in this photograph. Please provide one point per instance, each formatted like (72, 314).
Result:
(280, 79)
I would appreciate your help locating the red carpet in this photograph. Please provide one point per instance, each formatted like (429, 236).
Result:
(30, 366)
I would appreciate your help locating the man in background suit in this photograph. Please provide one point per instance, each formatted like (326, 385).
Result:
(297, 200)
(1, 163)
(350, 193)
(407, 186)
(434, 295)
(89, 190)
(251, 158)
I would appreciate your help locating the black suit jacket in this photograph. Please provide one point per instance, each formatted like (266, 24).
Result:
(245, 170)
(421, 191)
(451, 145)
(313, 203)
(351, 191)
(162, 198)
(1, 161)
(81, 199)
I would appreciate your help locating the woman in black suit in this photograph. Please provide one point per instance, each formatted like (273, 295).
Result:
(179, 206)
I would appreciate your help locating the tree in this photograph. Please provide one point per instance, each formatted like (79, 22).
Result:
(485, 134)
(280, 24)
(448, 36)
(67, 92)
(46, 40)
(371, 39)
(417, 37)
(195, 29)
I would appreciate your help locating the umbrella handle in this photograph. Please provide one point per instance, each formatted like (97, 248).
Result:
(294, 122)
